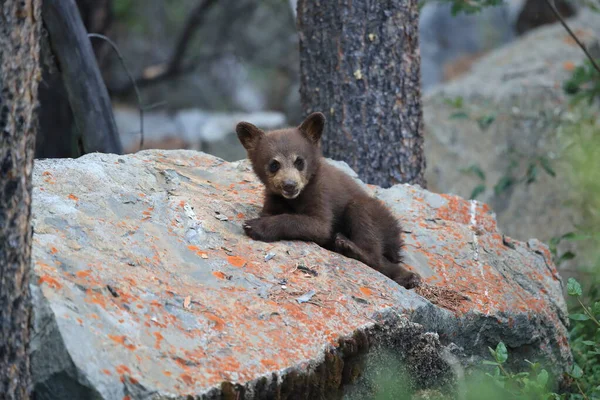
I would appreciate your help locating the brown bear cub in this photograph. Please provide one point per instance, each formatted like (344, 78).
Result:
(310, 200)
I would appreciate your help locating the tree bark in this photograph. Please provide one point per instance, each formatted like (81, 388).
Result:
(85, 88)
(20, 29)
(58, 136)
(360, 65)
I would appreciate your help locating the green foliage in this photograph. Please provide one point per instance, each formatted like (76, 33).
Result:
(494, 380)
(477, 190)
(478, 172)
(530, 384)
(125, 12)
(535, 382)
(510, 177)
(580, 141)
(580, 137)
(584, 83)
(555, 241)
(485, 121)
(532, 165)
(585, 344)
(573, 287)
(475, 170)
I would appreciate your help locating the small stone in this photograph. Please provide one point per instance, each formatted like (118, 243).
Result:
(220, 216)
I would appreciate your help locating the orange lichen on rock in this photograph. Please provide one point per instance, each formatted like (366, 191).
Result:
(124, 289)
(186, 379)
(219, 275)
(122, 339)
(50, 281)
(457, 210)
(159, 338)
(83, 274)
(236, 261)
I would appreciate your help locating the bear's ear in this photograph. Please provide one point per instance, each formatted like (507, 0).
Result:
(312, 127)
(249, 135)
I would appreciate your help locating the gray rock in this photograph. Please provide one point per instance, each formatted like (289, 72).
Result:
(444, 37)
(141, 291)
(520, 87)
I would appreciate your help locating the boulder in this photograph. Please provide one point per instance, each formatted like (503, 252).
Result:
(146, 287)
(444, 38)
(512, 103)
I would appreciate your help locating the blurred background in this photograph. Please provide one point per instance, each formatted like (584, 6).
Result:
(510, 101)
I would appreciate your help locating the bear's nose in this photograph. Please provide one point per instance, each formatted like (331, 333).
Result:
(289, 186)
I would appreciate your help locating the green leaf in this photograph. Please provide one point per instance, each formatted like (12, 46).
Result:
(477, 191)
(485, 121)
(504, 184)
(459, 115)
(501, 353)
(576, 372)
(474, 169)
(542, 377)
(545, 163)
(555, 240)
(588, 343)
(577, 236)
(596, 308)
(531, 173)
(574, 288)
(569, 255)
(456, 102)
(579, 317)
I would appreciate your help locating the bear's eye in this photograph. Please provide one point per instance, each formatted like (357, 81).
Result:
(299, 164)
(274, 166)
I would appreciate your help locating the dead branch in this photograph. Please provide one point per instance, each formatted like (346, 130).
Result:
(175, 67)
(132, 80)
(568, 29)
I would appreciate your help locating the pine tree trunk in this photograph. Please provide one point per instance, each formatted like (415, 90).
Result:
(20, 28)
(360, 66)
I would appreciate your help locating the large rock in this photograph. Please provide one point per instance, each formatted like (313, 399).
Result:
(147, 288)
(443, 37)
(519, 87)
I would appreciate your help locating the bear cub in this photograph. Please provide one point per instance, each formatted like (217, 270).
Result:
(310, 200)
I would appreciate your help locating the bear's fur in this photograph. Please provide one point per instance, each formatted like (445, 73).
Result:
(310, 200)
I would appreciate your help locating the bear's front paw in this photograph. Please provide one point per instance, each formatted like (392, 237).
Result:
(409, 280)
(256, 229)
